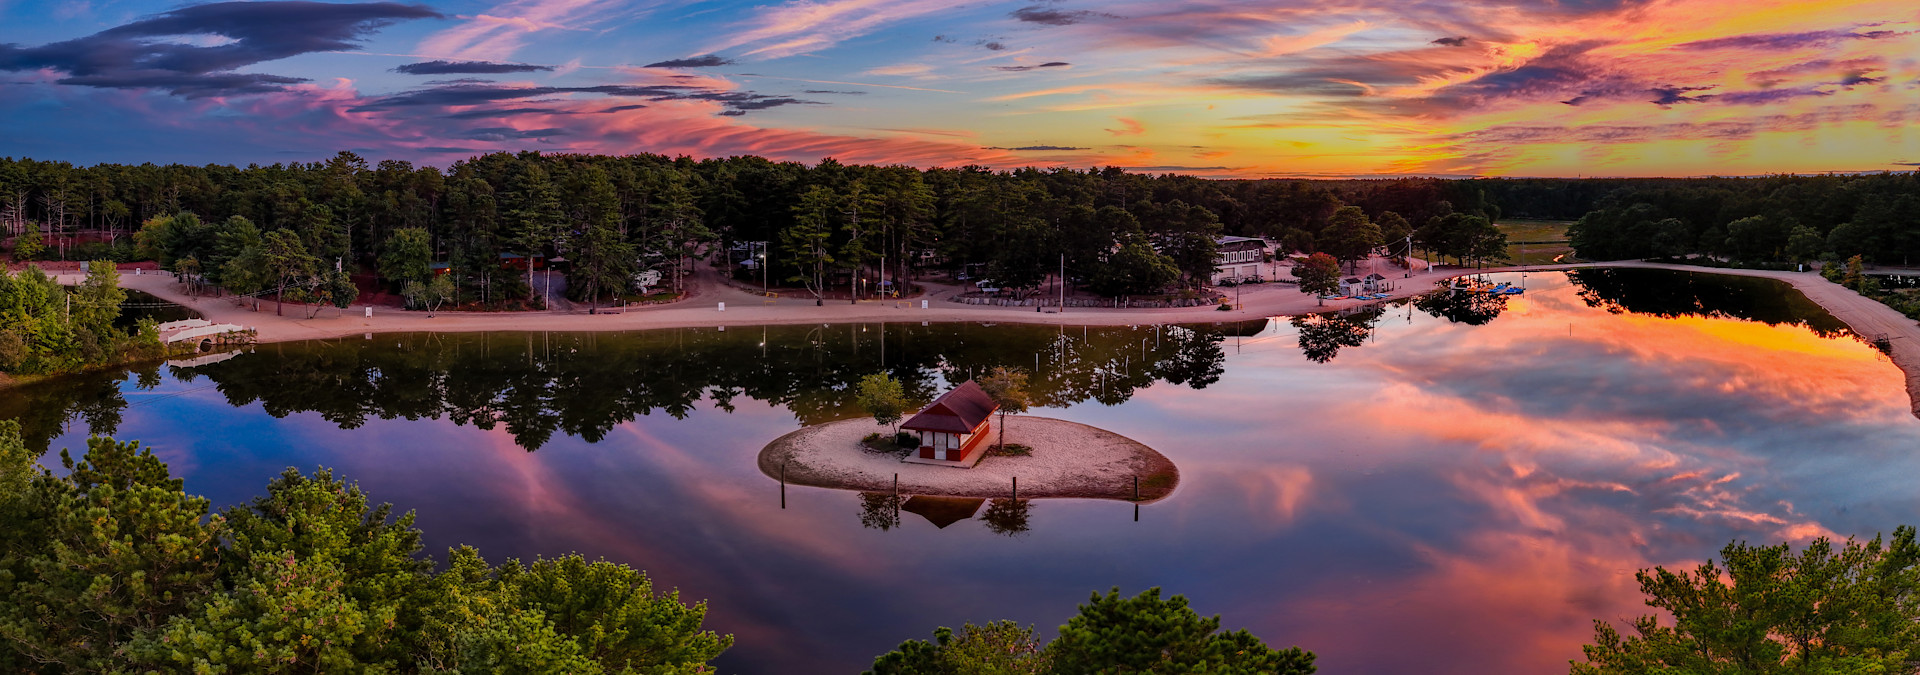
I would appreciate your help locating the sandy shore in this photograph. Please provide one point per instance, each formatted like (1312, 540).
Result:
(1069, 460)
(1864, 315)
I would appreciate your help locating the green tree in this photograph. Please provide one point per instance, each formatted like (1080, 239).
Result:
(806, 241)
(407, 257)
(117, 550)
(603, 262)
(1135, 269)
(883, 398)
(1007, 387)
(284, 260)
(1804, 244)
(27, 246)
(1765, 610)
(998, 648)
(1319, 275)
(614, 614)
(1350, 236)
(1147, 634)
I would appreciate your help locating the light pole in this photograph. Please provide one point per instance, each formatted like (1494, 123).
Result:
(763, 267)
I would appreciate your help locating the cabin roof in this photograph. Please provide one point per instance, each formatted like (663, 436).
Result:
(957, 411)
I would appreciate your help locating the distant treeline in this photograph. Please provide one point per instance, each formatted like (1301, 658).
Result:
(613, 216)
(1778, 219)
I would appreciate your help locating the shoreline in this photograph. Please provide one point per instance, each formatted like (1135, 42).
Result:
(1865, 316)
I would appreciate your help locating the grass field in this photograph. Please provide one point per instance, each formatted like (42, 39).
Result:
(1543, 231)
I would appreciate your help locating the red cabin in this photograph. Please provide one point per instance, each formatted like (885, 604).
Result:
(954, 427)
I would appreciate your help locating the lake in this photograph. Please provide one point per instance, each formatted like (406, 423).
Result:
(1459, 484)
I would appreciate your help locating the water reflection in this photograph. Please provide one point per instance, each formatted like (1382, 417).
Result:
(1322, 335)
(536, 385)
(1008, 516)
(1448, 498)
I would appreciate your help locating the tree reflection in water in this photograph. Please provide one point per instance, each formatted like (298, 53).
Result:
(1007, 516)
(1461, 306)
(1322, 335)
(880, 510)
(584, 384)
(1668, 294)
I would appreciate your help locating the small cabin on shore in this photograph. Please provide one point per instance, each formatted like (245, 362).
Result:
(953, 428)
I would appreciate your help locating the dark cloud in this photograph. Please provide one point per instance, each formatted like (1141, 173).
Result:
(1787, 41)
(1038, 148)
(943, 38)
(1767, 96)
(135, 55)
(1906, 163)
(509, 134)
(467, 68)
(736, 102)
(993, 46)
(1452, 41)
(1047, 16)
(619, 108)
(1667, 96)
(703, 61)
(1848, 68)
(1022, 69)
(824, 92)
(505, 112)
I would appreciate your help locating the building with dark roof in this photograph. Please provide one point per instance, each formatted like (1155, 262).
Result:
(953, 428)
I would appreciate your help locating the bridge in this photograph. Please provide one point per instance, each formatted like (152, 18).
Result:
(206, 332)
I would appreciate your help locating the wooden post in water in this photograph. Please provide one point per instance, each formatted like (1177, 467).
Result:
(896, 500)
(783, 485)
(1016, 488)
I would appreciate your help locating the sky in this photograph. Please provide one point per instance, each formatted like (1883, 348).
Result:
(1221, 88)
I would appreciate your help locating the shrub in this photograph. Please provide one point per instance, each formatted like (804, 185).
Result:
(906, 440)
(1012, 450)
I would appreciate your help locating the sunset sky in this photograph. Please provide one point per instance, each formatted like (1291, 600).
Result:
(1209, 87)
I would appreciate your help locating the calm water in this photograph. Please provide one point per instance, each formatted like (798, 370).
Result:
(1458, 485)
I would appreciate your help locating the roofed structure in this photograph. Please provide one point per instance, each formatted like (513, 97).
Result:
(952, 428)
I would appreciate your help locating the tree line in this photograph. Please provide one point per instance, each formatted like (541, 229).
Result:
(1777, 220)
(483, 220)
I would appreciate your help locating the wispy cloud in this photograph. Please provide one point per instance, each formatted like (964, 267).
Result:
(1128, 127)
(499, 32)
(803, 26)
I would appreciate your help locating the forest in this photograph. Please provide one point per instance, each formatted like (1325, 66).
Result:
(483, 222)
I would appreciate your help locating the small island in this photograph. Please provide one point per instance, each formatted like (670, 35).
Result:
(1067, 459)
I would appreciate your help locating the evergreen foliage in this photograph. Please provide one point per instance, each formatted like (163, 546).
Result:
(114, 568)
(1761, 610)
(1141, 635)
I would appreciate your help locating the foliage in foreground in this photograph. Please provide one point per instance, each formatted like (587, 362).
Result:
(46, 327)
(1111, 635)
(1766, 609)
(113, 568)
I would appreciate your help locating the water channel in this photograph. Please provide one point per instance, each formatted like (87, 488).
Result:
(1459, 484)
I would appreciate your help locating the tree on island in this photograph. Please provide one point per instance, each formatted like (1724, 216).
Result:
(1319, 275)
(1111, 635)
(1007, 387)
(883, 398)
(1766, 609)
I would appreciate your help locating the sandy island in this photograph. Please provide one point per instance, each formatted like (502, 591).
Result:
(1865, 316)
(1069, 460)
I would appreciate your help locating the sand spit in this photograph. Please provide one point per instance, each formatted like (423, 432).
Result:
(1069, 460)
